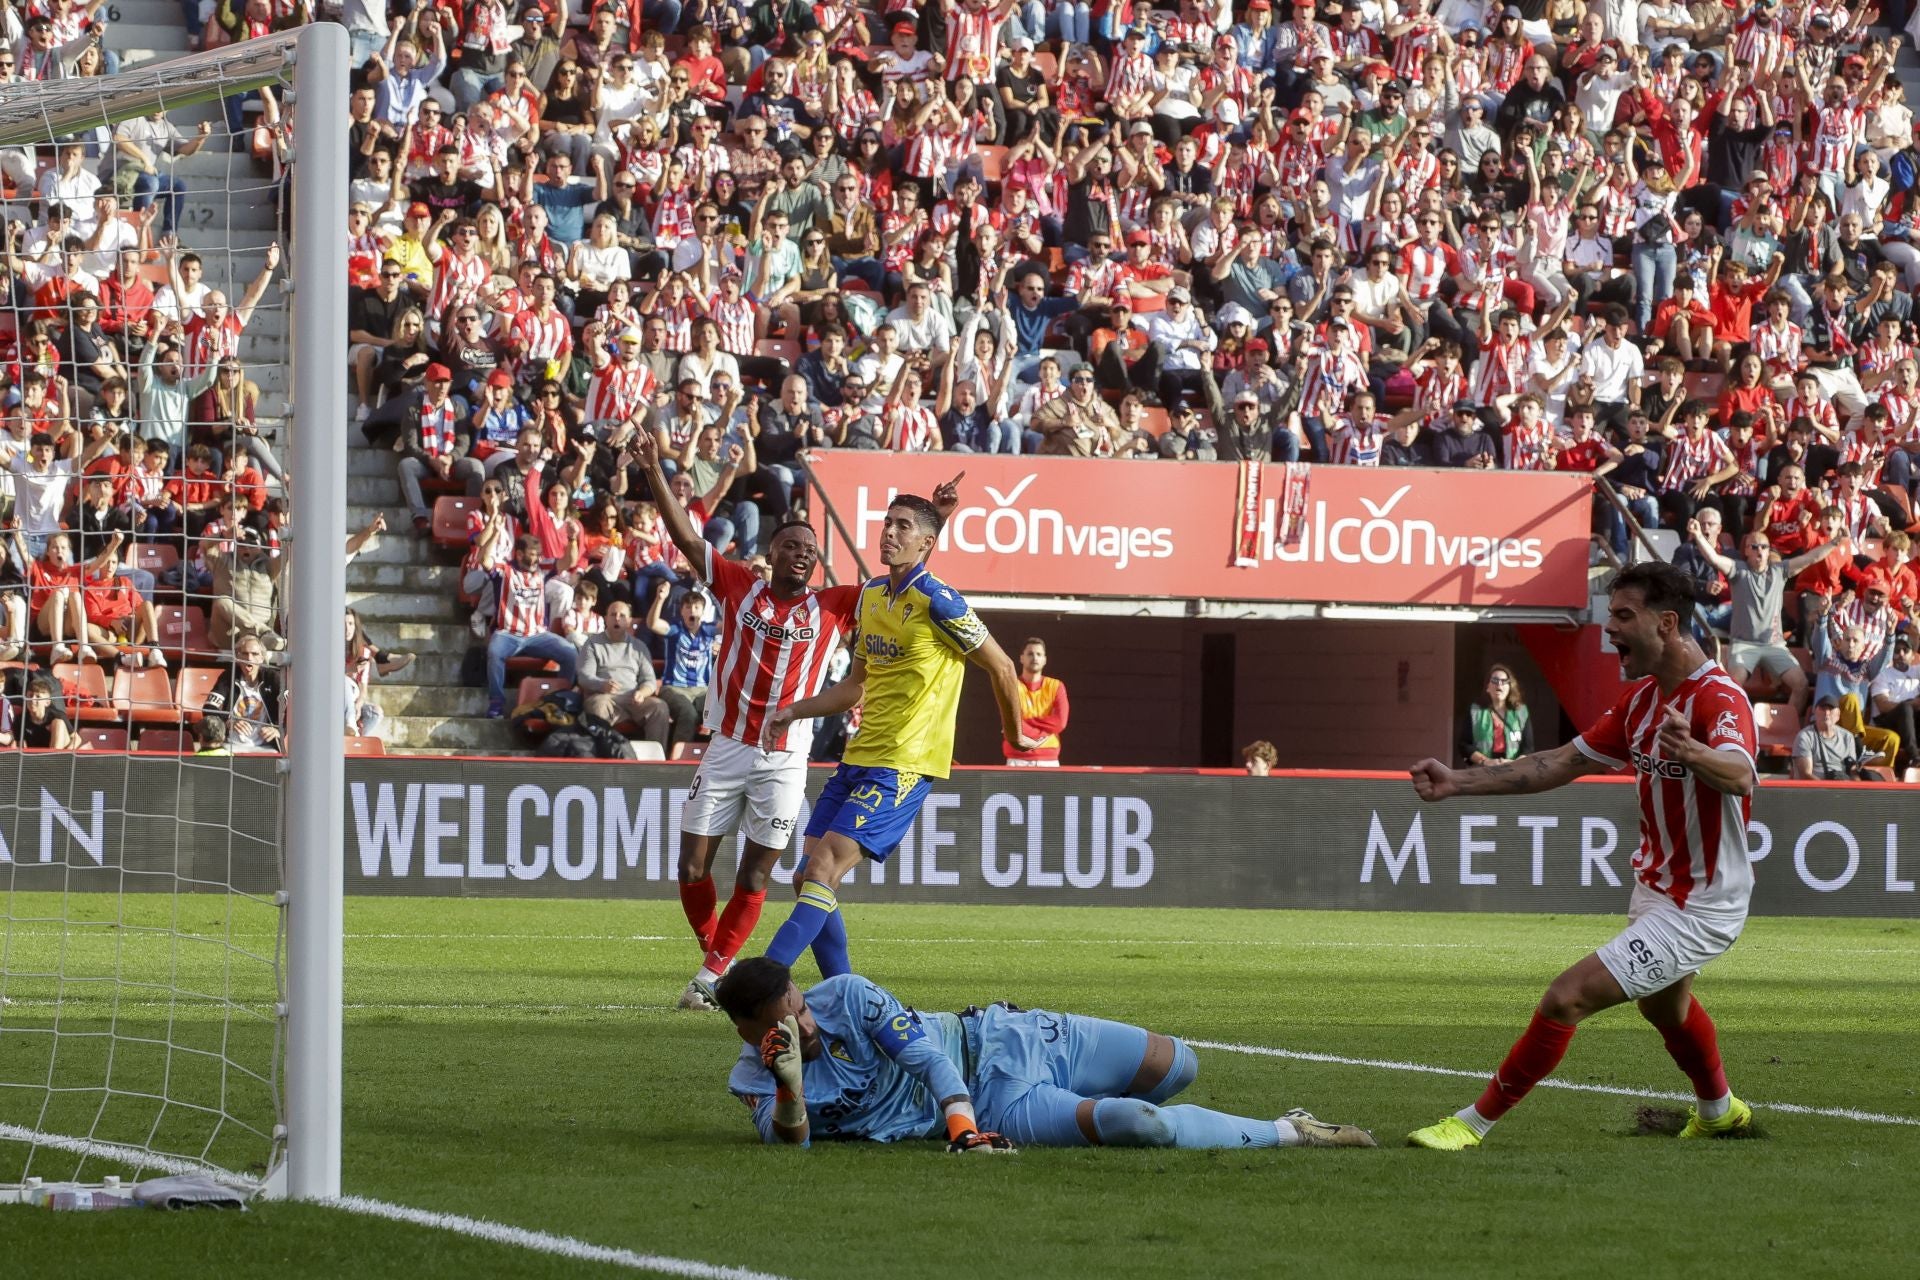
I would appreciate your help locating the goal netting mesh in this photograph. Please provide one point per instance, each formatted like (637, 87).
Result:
(142, 989)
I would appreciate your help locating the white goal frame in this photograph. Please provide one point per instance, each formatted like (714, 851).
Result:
(312, 826)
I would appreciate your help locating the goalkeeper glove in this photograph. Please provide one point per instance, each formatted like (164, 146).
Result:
(780, 1054)
(975, 1143)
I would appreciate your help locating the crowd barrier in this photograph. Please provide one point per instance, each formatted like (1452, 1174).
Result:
(525, 828)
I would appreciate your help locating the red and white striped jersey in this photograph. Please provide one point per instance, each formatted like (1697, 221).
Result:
(1836, 132)
(1296, 163)
(1502, 368)
(1531, 448)
(1426, 267)
(540, 337)
(1863, 517)
(1614, 203)
(735, 321)
(1818, 409)
(1236, 82)
(1356, 444)
(206, 344)
(1690, 458)
(701, 163)
(1878, 357)
(1436, 391)
(457, 280)
(678, 317)
(502, 543)
(1693, 839)
(1758, 47)
(1778, 349)
(1504, 63)
(615, 390)
(1410, 50)
(1900, 413)
(522, 610)
(973, 43)
(772, 652)
(1131, 76)
(911, 428)
(1093, 278)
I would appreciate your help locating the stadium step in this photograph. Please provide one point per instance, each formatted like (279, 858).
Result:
(158, 13)
(376, 490)
(424, 701)
(470, 735)
(395, 547)
(392, 606)
(439, 582)
(428, 634)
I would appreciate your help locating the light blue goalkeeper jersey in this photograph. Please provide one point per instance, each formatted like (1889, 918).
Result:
(884, 1072)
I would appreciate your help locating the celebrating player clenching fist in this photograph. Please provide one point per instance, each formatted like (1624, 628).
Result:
(1686, 730)
(777, 640)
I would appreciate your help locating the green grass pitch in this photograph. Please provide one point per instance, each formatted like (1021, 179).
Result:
(521, 1062)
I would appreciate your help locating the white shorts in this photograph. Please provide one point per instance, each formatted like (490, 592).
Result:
(1663, 944)
(767, 785)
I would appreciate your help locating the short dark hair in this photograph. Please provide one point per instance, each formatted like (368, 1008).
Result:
(792, 521)
(750, 985)
(1665, 587)
(925, 514)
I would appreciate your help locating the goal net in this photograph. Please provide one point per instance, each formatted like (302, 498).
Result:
(150, 882)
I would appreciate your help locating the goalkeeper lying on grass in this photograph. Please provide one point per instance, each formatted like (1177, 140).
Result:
(847, 1060)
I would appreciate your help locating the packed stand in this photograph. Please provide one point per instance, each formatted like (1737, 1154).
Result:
(1660, 244)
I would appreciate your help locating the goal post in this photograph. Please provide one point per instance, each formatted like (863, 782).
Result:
(316, 783)
(171, 926)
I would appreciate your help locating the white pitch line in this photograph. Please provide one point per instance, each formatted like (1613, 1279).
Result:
(1386, 1064)
(135, 1156)
(545, 1241)
(478, 1228)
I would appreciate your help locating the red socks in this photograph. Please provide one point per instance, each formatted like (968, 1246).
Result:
(697, 899)
(736, 926)
(1532, 1059)
(1696, 1050)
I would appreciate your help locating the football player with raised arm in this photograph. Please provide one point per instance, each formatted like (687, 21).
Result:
(1685, 730)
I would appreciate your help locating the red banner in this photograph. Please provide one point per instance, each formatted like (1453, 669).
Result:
(1086, 527)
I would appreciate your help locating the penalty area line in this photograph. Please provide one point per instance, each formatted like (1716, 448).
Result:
(543, 1241)
(1572, 1086)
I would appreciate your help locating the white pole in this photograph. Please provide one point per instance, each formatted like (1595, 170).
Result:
(317, 276)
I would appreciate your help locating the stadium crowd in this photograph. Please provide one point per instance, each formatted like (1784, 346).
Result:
(1672, 246)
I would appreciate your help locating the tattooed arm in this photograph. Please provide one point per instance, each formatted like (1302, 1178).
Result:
(1543, 772)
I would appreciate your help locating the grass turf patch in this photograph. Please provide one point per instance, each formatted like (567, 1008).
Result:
(521, 1061)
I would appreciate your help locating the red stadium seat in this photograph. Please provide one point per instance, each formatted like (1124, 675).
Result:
(993, 161)
(691, 751)
(1156, 422)
(358, 745)
(534, 688)
(145, 697)
(450, 520)
(778, 349)
(88, 700)
(155, 557)
(195, 684)
(183, 631)
(165, 742)
(1774, 723)
(100, 738)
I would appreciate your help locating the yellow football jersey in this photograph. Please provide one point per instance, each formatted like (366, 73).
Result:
(915, 642)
